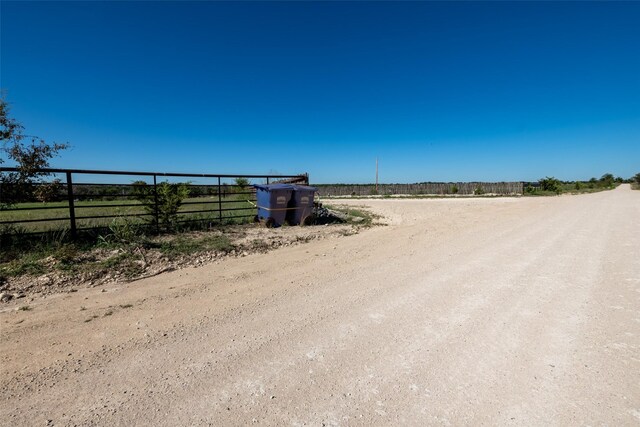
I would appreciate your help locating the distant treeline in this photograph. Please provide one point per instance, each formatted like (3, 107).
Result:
(57, 191)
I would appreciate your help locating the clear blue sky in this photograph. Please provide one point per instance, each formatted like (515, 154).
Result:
(438, 91)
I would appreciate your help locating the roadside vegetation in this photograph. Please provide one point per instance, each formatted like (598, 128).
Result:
(551, 186)
(359, 215)
(128, 253)
(635, 184)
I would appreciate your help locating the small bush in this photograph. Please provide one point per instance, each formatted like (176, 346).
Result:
(123, 231)
(478, 191)
(241, 185)
(550, 183)
(169, 198)
(607, 180)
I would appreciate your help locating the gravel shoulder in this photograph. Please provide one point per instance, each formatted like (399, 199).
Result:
(507, 311)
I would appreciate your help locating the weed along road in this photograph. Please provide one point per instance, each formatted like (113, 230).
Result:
(504, 311)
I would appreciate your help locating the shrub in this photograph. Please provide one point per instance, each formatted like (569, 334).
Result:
(478, 191)
(169, 198)
(607, 180)
(550, 183)
(454, 189)
(242, 182)
(123, 231)
(240, 185)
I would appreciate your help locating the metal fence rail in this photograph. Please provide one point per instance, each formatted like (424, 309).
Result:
(91, 205)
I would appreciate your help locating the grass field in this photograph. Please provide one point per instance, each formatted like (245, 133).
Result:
(205, 208)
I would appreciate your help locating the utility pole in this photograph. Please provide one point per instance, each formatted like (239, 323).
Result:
(376, 175)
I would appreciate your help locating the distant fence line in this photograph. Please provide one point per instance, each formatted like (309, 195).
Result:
(426, 188)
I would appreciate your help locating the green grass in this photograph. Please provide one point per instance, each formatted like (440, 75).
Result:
(185, 246)
(27, 264)
(206, 212)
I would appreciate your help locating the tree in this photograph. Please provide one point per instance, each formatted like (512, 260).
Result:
(29, 153)
(607, 180)
(164, 201)
(550, 183)
(48, 191)
(241, 183)
(636, 178)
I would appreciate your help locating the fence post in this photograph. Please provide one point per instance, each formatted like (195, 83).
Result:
(219, 201)
(72, 208)
(156, 209)
(267, 180)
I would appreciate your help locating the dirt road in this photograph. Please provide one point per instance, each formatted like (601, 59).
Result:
(469, 311)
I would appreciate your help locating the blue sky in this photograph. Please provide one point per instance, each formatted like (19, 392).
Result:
(437, 91)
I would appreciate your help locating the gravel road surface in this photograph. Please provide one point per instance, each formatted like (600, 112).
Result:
(505, 311)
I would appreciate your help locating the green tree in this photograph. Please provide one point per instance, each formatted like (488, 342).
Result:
(139, 189)
(162, 203)
(28, 153)
(550, 183)
(241, 184)
(607, 180)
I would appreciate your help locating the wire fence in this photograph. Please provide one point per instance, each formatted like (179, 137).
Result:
(77, 200)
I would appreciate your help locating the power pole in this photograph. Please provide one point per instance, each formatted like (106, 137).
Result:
(376, 175)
